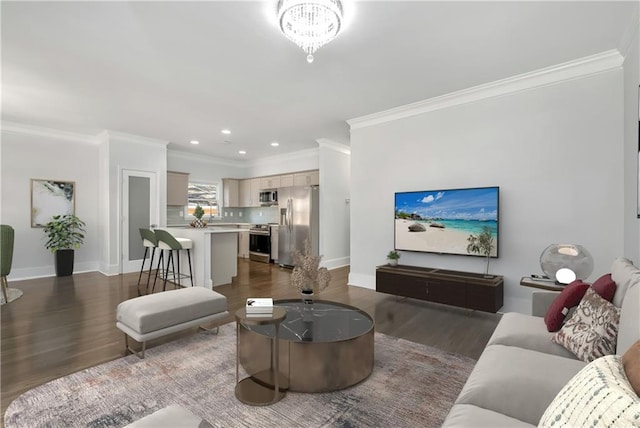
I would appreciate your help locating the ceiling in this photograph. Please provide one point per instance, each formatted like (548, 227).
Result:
(179, 71)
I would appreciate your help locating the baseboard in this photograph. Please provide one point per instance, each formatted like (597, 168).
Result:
(336, 263)
(47, 271)
(361, 280)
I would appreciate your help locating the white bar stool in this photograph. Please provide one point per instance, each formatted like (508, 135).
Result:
(167, 241)
(149, 240)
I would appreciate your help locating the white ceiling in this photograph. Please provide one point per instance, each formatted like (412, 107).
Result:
(178, 71)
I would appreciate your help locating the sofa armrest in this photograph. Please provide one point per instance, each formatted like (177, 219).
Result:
(541, 301)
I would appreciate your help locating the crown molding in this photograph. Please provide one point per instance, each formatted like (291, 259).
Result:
(132, 139)
(50, 133)
(332, 145)
(579, 68)
(204, 158)
(285, 157)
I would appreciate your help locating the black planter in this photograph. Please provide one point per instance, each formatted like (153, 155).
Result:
(64, 262)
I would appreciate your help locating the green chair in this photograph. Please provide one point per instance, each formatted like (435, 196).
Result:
(167, 242)
(6, 256)
(149, 240)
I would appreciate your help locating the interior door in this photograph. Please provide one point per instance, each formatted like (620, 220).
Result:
(139, 209)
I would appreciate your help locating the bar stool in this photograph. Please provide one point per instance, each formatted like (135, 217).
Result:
(167, 241)
(149, 240)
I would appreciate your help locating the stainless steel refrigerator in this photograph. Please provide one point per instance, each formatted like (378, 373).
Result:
(299, 220)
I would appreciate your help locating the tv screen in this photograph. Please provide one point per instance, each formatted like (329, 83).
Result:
(441, 221)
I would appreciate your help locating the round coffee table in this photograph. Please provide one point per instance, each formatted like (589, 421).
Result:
(324, 346)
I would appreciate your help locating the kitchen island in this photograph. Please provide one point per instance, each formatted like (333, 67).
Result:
(214, 256)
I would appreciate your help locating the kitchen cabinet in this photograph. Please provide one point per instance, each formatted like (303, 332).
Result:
(286, 180)
(231, 192)
(255, 192)
(307, 178)
(244, 193)
(177, 188)
(243, 244)
(268, 183)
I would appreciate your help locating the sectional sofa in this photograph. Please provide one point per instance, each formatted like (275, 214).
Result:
(521, 370)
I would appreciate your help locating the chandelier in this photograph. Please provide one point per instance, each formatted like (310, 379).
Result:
(310, 24)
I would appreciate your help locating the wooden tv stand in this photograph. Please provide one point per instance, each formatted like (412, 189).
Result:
(463, 289)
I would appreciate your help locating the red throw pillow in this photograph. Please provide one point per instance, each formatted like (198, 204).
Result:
(605, 286)
(568, 298)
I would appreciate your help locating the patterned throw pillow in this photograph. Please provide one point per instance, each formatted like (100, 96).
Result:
(569, 297)
(592, 330)
(599, 395)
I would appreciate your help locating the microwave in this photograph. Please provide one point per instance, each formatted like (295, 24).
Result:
(268, 197)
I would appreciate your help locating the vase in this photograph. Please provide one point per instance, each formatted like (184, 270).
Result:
(307, 296)
(198, 223)
(393, 262)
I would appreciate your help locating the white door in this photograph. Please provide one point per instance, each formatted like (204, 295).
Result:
(139, 209)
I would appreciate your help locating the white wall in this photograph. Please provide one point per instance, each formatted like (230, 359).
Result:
(303, 160)
(47, 154)
(555, 150)
(203, 168)
(631, 116)
(335, 178)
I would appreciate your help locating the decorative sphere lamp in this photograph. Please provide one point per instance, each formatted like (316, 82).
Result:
(566, 262)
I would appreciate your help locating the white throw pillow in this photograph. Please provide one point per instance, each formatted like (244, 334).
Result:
(598, 396)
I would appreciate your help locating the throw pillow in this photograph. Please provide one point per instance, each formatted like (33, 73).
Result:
(568, 298)
(631, 363)
(598, 395)
(592, 330)
(605, 287)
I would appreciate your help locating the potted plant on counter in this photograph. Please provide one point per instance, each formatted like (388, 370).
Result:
(64, 233)
(393, 257)
(198, 212)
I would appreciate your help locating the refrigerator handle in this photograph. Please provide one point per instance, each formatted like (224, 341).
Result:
(290, 211)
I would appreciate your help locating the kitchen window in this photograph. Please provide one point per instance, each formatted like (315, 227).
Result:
(206, 195)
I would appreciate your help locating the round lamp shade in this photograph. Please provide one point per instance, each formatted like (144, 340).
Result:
(560, 257)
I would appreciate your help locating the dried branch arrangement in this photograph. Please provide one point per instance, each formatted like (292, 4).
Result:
(307, 273)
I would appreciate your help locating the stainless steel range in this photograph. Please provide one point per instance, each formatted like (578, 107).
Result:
(260, 243)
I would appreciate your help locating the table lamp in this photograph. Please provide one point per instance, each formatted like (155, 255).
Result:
(566, 262)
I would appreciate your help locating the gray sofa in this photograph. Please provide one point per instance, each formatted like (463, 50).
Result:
(521, 370)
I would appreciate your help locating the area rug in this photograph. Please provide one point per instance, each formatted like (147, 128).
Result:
(411, 385)
(12, 294)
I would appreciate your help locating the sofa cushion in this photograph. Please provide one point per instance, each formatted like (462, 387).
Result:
(599, 394)
(592, 330)
(625, 275)
(468, 415)
(568, 298)
(517, 382)
(605, 286)
(629, 329)
(526, 331)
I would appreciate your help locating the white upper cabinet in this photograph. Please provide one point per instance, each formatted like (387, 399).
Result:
(307, 178)
(231, 192)
(267, 183)
(177, 188)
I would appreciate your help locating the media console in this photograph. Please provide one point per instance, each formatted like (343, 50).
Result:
(463, 289)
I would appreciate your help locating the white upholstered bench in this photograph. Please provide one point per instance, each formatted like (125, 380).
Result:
(155, 315)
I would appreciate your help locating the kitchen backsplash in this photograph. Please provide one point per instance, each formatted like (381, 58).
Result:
(175, 215)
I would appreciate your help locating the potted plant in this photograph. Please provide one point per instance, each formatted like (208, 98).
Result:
(198, 212)
(64, 234)
(482, 243)
(393, 257)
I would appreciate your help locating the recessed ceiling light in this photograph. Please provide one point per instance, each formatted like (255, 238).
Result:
(226, 131)
(275, 144)
(242, 152)
(195, 142)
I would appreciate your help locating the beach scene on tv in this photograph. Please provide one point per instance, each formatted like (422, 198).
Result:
(442, 221)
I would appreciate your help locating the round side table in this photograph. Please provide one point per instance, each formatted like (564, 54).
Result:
(254, 390)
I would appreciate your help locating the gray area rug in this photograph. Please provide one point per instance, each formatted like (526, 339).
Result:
(411, 385)
(12, 294)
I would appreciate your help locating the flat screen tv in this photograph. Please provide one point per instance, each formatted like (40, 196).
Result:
(440, 221)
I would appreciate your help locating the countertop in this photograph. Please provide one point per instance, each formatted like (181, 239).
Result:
(218, 229)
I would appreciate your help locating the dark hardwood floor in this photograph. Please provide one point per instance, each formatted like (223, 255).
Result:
(62, 325)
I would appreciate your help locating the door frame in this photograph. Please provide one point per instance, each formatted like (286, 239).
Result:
(127, 266)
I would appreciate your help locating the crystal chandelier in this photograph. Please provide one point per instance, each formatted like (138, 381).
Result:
(310, 24)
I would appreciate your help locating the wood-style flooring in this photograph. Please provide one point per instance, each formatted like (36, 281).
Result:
(62, 325)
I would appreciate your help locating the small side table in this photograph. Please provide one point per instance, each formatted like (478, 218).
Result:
(249, 390)
(527, 281)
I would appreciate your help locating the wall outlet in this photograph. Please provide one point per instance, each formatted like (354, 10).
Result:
(260, 213)
(240, 214)
(181, 213)
(226, 213)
